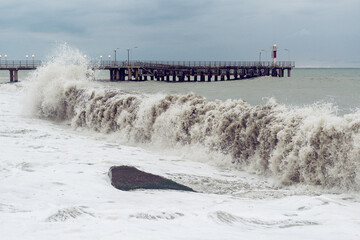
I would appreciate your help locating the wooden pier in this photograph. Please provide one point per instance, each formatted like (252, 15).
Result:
(181, 71)
(171, 71)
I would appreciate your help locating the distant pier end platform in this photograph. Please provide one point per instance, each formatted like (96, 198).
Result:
(172, 71)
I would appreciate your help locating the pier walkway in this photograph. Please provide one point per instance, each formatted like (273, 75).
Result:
(171, 71)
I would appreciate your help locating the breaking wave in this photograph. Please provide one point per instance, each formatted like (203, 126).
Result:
(310, 145)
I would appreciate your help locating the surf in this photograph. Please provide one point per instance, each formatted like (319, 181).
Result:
(309, 145)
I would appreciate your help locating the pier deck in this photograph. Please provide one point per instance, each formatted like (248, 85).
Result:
(174, 71)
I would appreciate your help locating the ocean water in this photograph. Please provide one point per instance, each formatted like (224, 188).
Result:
(304, 87)
(273, 158)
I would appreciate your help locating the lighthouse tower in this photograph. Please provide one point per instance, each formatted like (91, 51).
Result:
(274, 54)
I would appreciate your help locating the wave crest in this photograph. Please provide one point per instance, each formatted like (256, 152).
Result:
(308, 145)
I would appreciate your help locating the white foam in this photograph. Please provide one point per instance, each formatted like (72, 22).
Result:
(54, 183)
(309, 145)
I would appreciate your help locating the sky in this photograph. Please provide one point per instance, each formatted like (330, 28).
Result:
(313, 33)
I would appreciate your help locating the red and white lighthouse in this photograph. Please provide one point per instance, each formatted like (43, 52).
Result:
(274, 50)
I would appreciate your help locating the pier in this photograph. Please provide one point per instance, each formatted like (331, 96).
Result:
(193, 71)
(15, 66)
(171, 71)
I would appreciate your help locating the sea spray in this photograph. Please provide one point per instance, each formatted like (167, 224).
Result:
(66, 68)
(309, 145)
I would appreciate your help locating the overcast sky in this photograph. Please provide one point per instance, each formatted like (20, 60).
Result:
(317, 33)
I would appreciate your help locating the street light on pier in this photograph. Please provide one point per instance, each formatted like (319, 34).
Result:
(0, 59)
(262, 50)
(33, 56)
(100, 60)
(109, 59)
(5, 56)
(132, 52)
(288, 53)
(128, 60)
(115, 54)
(260, 57)
(128, 50)
(265, 53)
(26, 56)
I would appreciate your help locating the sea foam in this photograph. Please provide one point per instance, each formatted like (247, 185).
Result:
(309, 145)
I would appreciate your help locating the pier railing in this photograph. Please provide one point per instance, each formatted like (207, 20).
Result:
(5, 64)
(198, 64)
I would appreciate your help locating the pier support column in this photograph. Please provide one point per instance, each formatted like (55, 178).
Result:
(111, 74)
(16, 78)
(11, 75)
(289, 72)
(122, 74)
(129, 74)
(117, 75)
(195, 77)
(188, 77)
(202, 77)
(136, 70)
(227, 75)
(174, 76)
(152, 77)
(235, 74)
(209, 76)
(218, 73)
(274, 72)
(251, 73)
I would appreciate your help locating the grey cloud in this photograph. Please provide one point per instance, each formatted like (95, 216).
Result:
(188, 29)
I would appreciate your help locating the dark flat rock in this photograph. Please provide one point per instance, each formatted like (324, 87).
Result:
(130, 178)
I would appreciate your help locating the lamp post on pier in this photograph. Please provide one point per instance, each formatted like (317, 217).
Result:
(0, 59)
(115, 54)
(288, 53)
(33, 56)
(100, 60)
(26, 56)
(133, 49)
(109, 59)
(5, 56)
(262, 50)
(128, 60)
(260, 58)
(128, 52)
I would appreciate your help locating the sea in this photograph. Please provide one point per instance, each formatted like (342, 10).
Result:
(268, 158)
